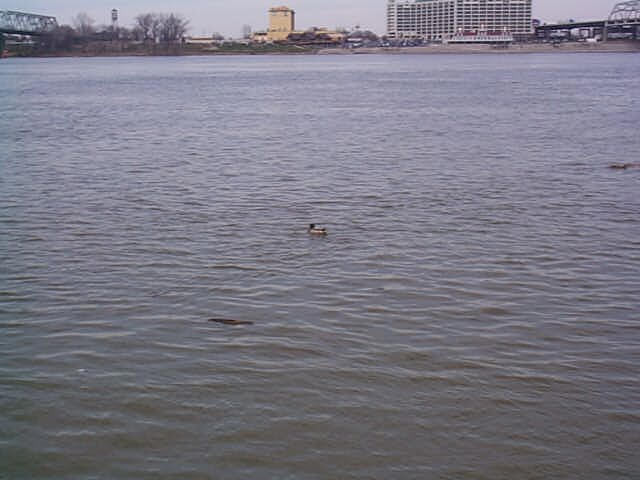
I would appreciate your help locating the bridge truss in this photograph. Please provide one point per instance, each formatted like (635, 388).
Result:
(623, 22)
(625, 12)
(624, 19)
(20, 23)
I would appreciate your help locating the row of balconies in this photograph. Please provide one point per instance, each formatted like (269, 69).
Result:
(451, 20)
(497, 27)
(425, 17)
(413, 27)
(470, 17)
(426, 6)
(460, 15)
(487, 24)
(451, 11)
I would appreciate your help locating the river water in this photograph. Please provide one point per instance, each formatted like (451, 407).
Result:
(473, 313)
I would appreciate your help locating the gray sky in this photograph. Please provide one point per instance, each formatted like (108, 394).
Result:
(228, 16)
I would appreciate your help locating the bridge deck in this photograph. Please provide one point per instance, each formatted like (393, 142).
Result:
(572, 25)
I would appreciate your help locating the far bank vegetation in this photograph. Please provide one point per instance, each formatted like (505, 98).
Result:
(151, 33)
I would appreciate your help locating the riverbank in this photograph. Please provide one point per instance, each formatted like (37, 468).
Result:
(123, 50)
(136, 49)
(576, 47)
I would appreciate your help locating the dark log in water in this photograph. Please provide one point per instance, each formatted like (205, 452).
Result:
(624, 166)
(226, 321)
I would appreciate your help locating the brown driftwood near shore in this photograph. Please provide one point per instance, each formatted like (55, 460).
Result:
(227, 321)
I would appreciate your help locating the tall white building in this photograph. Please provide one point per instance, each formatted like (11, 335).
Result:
(441, 19)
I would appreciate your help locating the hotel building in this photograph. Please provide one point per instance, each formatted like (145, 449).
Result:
(440, 20)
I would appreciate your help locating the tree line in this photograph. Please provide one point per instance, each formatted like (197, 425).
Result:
(148, 28)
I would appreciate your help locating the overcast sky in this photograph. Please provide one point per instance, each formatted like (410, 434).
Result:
(228, 16)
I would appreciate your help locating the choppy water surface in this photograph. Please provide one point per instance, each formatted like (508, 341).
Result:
(473, 313)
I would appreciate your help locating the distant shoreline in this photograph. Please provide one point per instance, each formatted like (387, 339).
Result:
(574, 47)
(608, 47)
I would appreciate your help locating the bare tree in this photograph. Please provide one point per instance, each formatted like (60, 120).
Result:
(83, 24)
(160, 27)
(124, 33)
(156, 26)
(60, 39)
(144, 24)
(172, 27)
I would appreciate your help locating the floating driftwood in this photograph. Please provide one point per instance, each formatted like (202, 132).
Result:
(623, 166)
(227, 321)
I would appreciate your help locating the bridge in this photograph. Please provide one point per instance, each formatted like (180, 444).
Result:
(20, 23)
(623, 20)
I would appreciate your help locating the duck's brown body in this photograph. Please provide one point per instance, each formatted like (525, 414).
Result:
(313, 230)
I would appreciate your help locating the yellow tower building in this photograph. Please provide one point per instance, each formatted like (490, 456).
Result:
(281, 23)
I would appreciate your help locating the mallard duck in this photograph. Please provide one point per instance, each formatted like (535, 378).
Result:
(316, 230)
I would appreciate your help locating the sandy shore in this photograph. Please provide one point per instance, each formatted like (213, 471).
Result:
(607, 47)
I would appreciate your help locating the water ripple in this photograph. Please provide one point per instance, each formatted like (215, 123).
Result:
(473, 312)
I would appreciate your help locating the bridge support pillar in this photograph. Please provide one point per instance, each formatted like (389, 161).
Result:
(1, 44)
